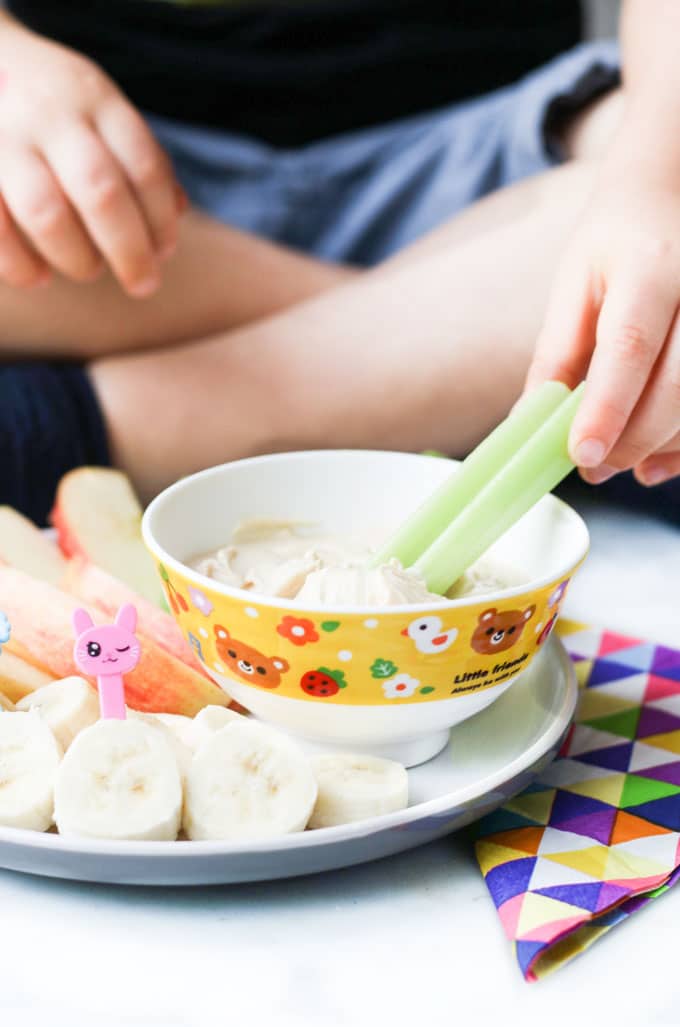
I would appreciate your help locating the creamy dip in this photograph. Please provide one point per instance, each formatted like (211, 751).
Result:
(296, 561)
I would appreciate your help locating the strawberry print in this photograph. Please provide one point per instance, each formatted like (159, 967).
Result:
(322, 683)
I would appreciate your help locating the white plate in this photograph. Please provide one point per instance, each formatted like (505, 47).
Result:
(489, 758)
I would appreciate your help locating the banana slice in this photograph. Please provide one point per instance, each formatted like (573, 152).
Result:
(213, 718)
(29, 760)
(183, 728)
(119, 779)
(6, 704)
(173, 734)
(66, 706)
(189, 733)
(356, 787)
(247, 782)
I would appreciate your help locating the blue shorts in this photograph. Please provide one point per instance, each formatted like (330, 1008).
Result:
(360, 197)
(356, 198)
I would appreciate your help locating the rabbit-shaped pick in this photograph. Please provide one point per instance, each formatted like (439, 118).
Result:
(107, 652)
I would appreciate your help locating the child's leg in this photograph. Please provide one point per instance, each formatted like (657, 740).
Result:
(50, 422)
(427, 354)
(328, 373)
(220, 278)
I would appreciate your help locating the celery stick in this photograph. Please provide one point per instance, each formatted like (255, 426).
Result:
(541, 463)
(437, 512)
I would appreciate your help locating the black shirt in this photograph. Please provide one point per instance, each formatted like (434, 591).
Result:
(292, 71)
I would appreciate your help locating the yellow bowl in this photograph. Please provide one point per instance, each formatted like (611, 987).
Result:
(391, 681)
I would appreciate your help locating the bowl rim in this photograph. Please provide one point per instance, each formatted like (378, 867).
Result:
(276, 602)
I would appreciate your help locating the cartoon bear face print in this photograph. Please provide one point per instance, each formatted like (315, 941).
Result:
(498, 631)
(247, 662)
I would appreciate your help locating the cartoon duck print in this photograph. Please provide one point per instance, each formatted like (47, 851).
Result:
(429, 635)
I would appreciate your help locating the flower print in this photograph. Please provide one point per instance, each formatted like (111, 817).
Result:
(400, 687)
(200, 601)
(298, 630)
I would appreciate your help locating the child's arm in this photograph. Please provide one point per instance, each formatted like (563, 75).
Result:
(83, 183)
(219, 278)
(614, 306)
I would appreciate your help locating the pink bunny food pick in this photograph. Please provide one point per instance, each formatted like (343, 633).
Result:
(107, 652)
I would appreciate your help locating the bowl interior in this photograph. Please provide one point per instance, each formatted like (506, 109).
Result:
(365, 494)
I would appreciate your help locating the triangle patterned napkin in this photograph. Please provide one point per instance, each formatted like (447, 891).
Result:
(597, 835)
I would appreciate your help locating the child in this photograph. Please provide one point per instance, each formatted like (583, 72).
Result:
(245, 345)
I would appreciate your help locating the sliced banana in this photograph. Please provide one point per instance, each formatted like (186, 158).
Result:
(119, 779)
(247, 782)
(29, 760)
(183, 728)
(352, 787)
(213, 718)
(173, 735)
(66, 706)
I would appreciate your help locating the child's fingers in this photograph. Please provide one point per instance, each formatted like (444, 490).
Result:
(148, 169)
(97, 187)
(566, 340)
(656, 418)
(660, 467)
(20, 267)
(40, 208)
(634, 321)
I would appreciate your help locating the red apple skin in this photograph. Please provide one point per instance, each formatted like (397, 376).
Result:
(65, 540)
(97, 515)
(42, 634)
(96, 587)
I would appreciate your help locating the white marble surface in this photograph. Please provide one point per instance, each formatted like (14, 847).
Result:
(412, 939)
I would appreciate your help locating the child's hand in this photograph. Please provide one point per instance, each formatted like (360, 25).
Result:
(614, 314)
(82, 180)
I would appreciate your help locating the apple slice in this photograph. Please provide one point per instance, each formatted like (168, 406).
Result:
(42, 633)
(97, 516)
(95, 587)
(18, 678)
(24, 546)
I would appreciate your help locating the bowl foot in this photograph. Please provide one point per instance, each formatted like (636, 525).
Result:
(409, 751)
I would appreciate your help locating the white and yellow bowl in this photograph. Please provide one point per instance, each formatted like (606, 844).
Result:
(390, 681)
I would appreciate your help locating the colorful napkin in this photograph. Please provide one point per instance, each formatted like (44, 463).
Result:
(597, 836)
